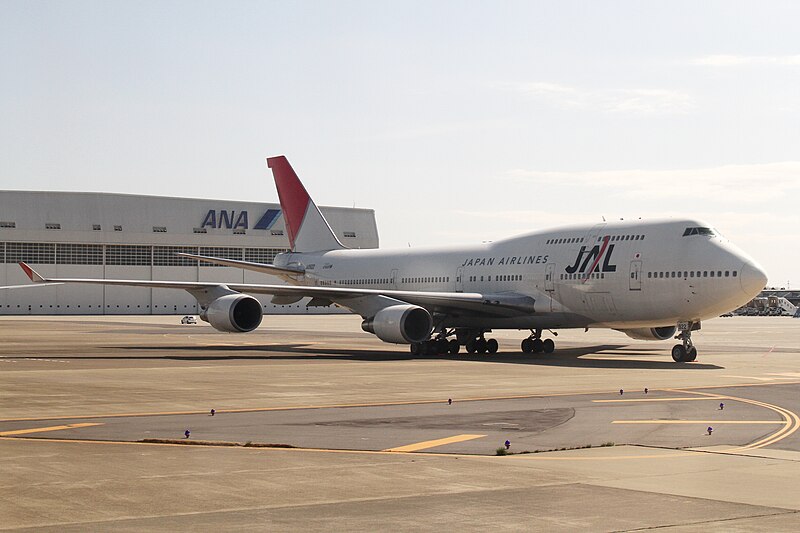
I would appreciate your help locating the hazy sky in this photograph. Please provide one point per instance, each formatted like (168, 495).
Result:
(457, 122)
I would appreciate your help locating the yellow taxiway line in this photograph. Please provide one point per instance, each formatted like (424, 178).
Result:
(676, 399)
(791, 420)
(433, 443)
(51, 428)
(699, 422)
(382, 404)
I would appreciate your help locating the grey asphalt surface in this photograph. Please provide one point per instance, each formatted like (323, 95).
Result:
(530, 424)
(313, 382)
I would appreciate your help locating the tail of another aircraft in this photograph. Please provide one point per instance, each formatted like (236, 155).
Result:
(307, 228)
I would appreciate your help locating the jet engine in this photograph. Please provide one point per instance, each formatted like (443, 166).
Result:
(651, 334)
(234, 313)
(401, 324)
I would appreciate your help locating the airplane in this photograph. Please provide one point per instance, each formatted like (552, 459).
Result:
(652, 280)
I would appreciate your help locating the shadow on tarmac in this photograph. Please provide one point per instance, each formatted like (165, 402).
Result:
(623, 356)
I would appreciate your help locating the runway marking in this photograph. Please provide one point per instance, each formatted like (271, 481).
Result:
(676, 399)
(752, 377)
(433, 443)
(51, 428)
(791, 425)
(537, 457)
(699, 422)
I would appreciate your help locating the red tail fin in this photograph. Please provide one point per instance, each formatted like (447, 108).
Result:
(307, 229)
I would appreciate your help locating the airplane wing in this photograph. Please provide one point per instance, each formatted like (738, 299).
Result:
(248, 265)
(28, 286)
(500, 305)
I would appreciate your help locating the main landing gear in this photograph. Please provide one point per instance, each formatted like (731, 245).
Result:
(474, 340)
(482, 345)
(685, 352)
(440, 346)
(535, 344)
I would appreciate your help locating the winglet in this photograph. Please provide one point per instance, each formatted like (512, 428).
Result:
(307, 229)
(35, 277)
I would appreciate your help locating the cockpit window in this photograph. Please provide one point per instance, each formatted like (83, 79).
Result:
(699, 231)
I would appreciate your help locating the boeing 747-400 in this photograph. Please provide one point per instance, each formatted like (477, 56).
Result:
(652, 280)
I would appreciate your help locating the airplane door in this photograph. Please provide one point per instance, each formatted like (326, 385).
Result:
(394, 278)
(460, 279)
(636, 276)
(549, 274)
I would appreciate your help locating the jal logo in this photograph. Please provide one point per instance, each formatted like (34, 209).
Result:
(224, 219)
(593, 257)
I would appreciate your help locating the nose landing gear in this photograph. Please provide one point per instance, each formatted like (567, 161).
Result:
(685, 352)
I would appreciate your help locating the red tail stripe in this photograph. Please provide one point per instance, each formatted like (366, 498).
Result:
(293, 196)
(27, 270)
(599, 256)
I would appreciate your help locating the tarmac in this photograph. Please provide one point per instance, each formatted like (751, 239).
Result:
(319, 426)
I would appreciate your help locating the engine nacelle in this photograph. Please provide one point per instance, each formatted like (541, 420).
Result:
(234, 313)
(651, 334)
(401, 324)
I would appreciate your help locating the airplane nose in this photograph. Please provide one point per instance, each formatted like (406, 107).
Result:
(753, 279)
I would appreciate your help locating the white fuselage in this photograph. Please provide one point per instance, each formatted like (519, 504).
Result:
(616, 274)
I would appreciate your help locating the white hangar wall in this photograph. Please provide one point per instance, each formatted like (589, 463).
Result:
(102, 235)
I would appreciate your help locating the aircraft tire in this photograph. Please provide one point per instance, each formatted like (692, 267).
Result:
(492, 346)
(527, 346)
(416, 348)
(454, 347)
(691, 354)
(470, 346)
(538, 345)
(548, 346)
(678, 353)
(480, 346)
(442, 346)
(430, 347)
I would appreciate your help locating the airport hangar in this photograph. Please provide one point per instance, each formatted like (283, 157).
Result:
(103, 235)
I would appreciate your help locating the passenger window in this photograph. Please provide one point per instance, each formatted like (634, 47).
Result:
(734, 273)
(727, 273)
(719, 273)
(705, 273)
(691, 274)
(712, 273)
